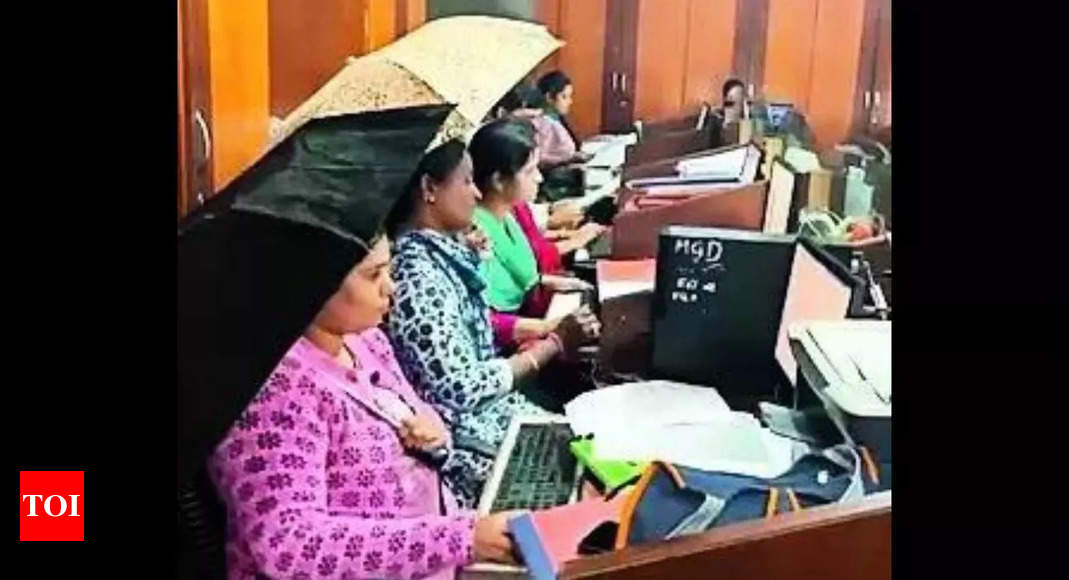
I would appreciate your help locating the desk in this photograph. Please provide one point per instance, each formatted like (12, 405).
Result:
(788, 546)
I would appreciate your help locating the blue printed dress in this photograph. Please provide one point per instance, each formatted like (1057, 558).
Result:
(440, 328)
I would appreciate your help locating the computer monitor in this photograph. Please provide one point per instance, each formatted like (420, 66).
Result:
(777, 113)
(778, 204)
(716, 308)
(818, 289)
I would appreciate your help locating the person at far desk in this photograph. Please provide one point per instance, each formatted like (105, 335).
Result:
(555, 145)
(440, 321)
(732, 102)
(564, 179)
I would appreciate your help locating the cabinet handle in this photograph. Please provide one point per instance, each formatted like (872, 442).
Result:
(876, 98)
(868, 99)
(614, 82)
(623, 83)
(198, 118)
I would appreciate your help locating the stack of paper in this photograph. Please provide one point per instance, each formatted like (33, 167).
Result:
(727, 164)
(685, 424)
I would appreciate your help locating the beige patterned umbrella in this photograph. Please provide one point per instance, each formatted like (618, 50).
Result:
(467, 60)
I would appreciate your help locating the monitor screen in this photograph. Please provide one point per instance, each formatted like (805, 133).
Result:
(717, 304)
(777, 112)
(813, 293)
(778, 201)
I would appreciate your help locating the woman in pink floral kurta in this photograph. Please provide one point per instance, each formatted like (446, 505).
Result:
(317, 482)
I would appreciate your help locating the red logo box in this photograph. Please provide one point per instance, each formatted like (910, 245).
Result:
(51, 506)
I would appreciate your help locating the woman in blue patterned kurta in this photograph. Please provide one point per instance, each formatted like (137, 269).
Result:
(440, 321)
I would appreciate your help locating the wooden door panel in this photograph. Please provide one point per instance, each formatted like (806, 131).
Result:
(240, 85)
(661, 59)
(710, 47)
(789, 50)
(582, 27)
(194, 106)
(883, 65)
(750, 44)
(833, 82)
(308, 46)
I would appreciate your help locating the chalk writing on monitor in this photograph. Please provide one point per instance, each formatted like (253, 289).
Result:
(696, 277)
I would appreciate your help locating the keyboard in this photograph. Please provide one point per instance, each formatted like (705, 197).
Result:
(541, 469)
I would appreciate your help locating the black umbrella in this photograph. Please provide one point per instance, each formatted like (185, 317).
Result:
(257, 262)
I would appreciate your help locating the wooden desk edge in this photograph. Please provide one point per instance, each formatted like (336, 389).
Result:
(871, 506)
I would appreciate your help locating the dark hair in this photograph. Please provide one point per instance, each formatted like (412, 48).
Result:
(437, 164)
(502, 146)
(552, 83)
(730, 84)
(515, 99)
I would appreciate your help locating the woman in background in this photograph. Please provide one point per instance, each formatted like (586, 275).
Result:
(558, 93)
(440, 321)
(505, 169)
(553, 142)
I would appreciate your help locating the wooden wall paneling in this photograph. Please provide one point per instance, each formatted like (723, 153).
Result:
(619, 78)
(710, 46)
(185, 184)
(380, 24)
(750, 40)
(195, 105)
(582, 26)
(548, 12)
(661, 58)
(789, 51)
(866, 68)
(833, 80)
(308, 46)
(240, 85)
(410, 15)
(883, 65)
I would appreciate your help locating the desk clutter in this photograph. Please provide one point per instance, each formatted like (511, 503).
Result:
(758, 344)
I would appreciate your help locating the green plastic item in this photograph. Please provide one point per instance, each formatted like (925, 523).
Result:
(611, 473)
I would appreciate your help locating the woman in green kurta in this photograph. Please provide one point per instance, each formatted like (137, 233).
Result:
(505, 169)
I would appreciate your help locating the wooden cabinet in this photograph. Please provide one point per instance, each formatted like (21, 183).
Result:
(194, 106)
(684, 54)
(582, 25)
(662, 58)
(242, 61)
(832, 59)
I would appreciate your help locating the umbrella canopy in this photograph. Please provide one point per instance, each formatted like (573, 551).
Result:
(467, 60)
(257, 262)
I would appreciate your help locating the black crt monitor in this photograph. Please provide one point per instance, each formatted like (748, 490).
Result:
(819, 289)
(717, 306)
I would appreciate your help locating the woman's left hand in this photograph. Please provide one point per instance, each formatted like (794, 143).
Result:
(422, 432)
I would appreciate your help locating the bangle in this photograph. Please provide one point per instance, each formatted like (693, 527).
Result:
(531, 359)
(557, 341)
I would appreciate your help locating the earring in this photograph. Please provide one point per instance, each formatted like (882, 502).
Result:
(430, 199)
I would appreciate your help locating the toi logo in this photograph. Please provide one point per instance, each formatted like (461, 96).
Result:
(51, 506)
